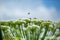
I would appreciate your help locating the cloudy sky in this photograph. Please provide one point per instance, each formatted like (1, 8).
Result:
(43, 9)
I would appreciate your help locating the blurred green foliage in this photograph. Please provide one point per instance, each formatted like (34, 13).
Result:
(30, 29)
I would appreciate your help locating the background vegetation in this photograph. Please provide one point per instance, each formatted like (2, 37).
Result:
(29, 29)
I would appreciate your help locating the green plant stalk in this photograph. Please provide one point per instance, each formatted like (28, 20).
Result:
(20, 31)
(38, 34)
(1, 33)
(27, 37)
(10, 29)
(54, 29)
(46, 29)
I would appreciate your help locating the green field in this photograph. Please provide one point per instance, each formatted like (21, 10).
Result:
(29, 29)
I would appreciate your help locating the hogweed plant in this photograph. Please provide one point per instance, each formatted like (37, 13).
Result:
(29, 29)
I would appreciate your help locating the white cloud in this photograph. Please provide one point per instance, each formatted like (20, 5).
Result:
(12, 12)
(47, 13)
(7, 13)
(15, 12)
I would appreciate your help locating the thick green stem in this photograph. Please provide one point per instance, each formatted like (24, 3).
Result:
(38, 34)
(0, 34)
(54, 29)
(44, 34)
(46, 29)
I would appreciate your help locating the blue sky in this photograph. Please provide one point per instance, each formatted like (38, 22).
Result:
(43, 9)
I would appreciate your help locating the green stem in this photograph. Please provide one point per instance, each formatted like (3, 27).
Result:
(54, 30)
(46, 29)
(44, 34)
(0, 34)
(38, 34)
